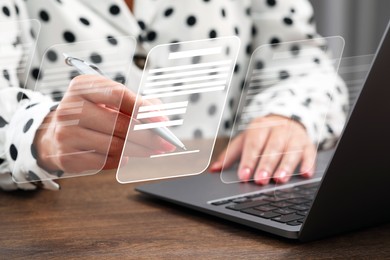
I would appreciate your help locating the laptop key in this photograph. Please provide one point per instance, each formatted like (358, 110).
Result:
(287, 218)
(291, 190)
(221, 202)
(265, 208)
(282, 204)
(274, 199)
(303, 213)
(239, 200)
(307, 192)
(298, 201)
(249, 204)
(291, 196)
(300, 207)
(253, 196)
(258, 213)
(284, 211)
(294, 223)
(310, 185)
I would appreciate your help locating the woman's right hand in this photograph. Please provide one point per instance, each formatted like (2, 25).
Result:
(88, 129)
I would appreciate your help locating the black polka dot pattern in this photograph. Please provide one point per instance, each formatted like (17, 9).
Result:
(114, 9)
(151, 35)
(2, 122)
(112, 40)
(96, 58)
(31, 105)
(198, 134)
(120, 78)
(52, 56)
(195, 60)
(21, 96)
(36, 74)
(13, 152)
(73, 74)
(6, 11)
(259, 65)
(191, 20)
(284, 75)
(295, 50)
(31, 176)
(44, 16)
(174, 46)
(28, 125)
(6, 74)
(69, 36)
(288, 21)
(194, 97)
(212, 34)
(84, 21)
(275, 42)
(212, 110)
(167, 22)
(168, 12)
(271, 3)
(34, 152)
(142, 25)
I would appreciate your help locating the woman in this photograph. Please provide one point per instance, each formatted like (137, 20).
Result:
(152, 22)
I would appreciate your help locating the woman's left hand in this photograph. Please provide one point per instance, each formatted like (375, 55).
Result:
(270, 147)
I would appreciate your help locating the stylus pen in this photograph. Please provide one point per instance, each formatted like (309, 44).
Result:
(87, 68)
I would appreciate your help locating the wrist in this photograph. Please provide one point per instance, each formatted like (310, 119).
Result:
(43, 144)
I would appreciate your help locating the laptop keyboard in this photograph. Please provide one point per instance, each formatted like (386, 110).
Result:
(289, 206)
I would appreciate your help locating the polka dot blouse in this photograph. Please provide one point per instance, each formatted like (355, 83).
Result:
(153, 22)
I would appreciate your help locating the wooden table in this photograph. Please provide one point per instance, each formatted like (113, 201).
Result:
(96, 217)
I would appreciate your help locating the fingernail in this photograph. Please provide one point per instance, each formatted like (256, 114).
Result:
(244, 174)
(307, 174)
(216, 166)
(281, 176)
(262, 177)
(168, 146)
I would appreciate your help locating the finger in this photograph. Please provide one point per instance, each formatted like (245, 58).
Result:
(291, 158)
(231, 154)
(254, 143)
(81, 162)
(100, 90)
(271, 157)
(136, 150)
(308, 164)
(111, 122)
(89, 115)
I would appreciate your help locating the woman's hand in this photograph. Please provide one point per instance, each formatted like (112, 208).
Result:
(88, 129)
(270, 147)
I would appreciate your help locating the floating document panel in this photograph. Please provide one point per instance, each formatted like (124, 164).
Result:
(17, 48)
(297, 81)
(86, 114)
(158, 144)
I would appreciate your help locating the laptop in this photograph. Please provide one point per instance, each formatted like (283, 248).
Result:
(352, 191)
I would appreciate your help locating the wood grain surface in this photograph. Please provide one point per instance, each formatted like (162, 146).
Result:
(95, 217)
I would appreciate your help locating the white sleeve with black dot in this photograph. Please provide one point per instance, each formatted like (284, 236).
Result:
(297, 91)
(19, 120)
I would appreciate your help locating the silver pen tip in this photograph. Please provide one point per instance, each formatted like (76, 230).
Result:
(184, 148)
(67, 57)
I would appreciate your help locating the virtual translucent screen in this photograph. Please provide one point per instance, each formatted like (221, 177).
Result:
(83, 121)
(275, 79)
(159, 143)
(16, 53)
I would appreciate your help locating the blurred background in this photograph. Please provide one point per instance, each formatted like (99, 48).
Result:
(361, 23)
